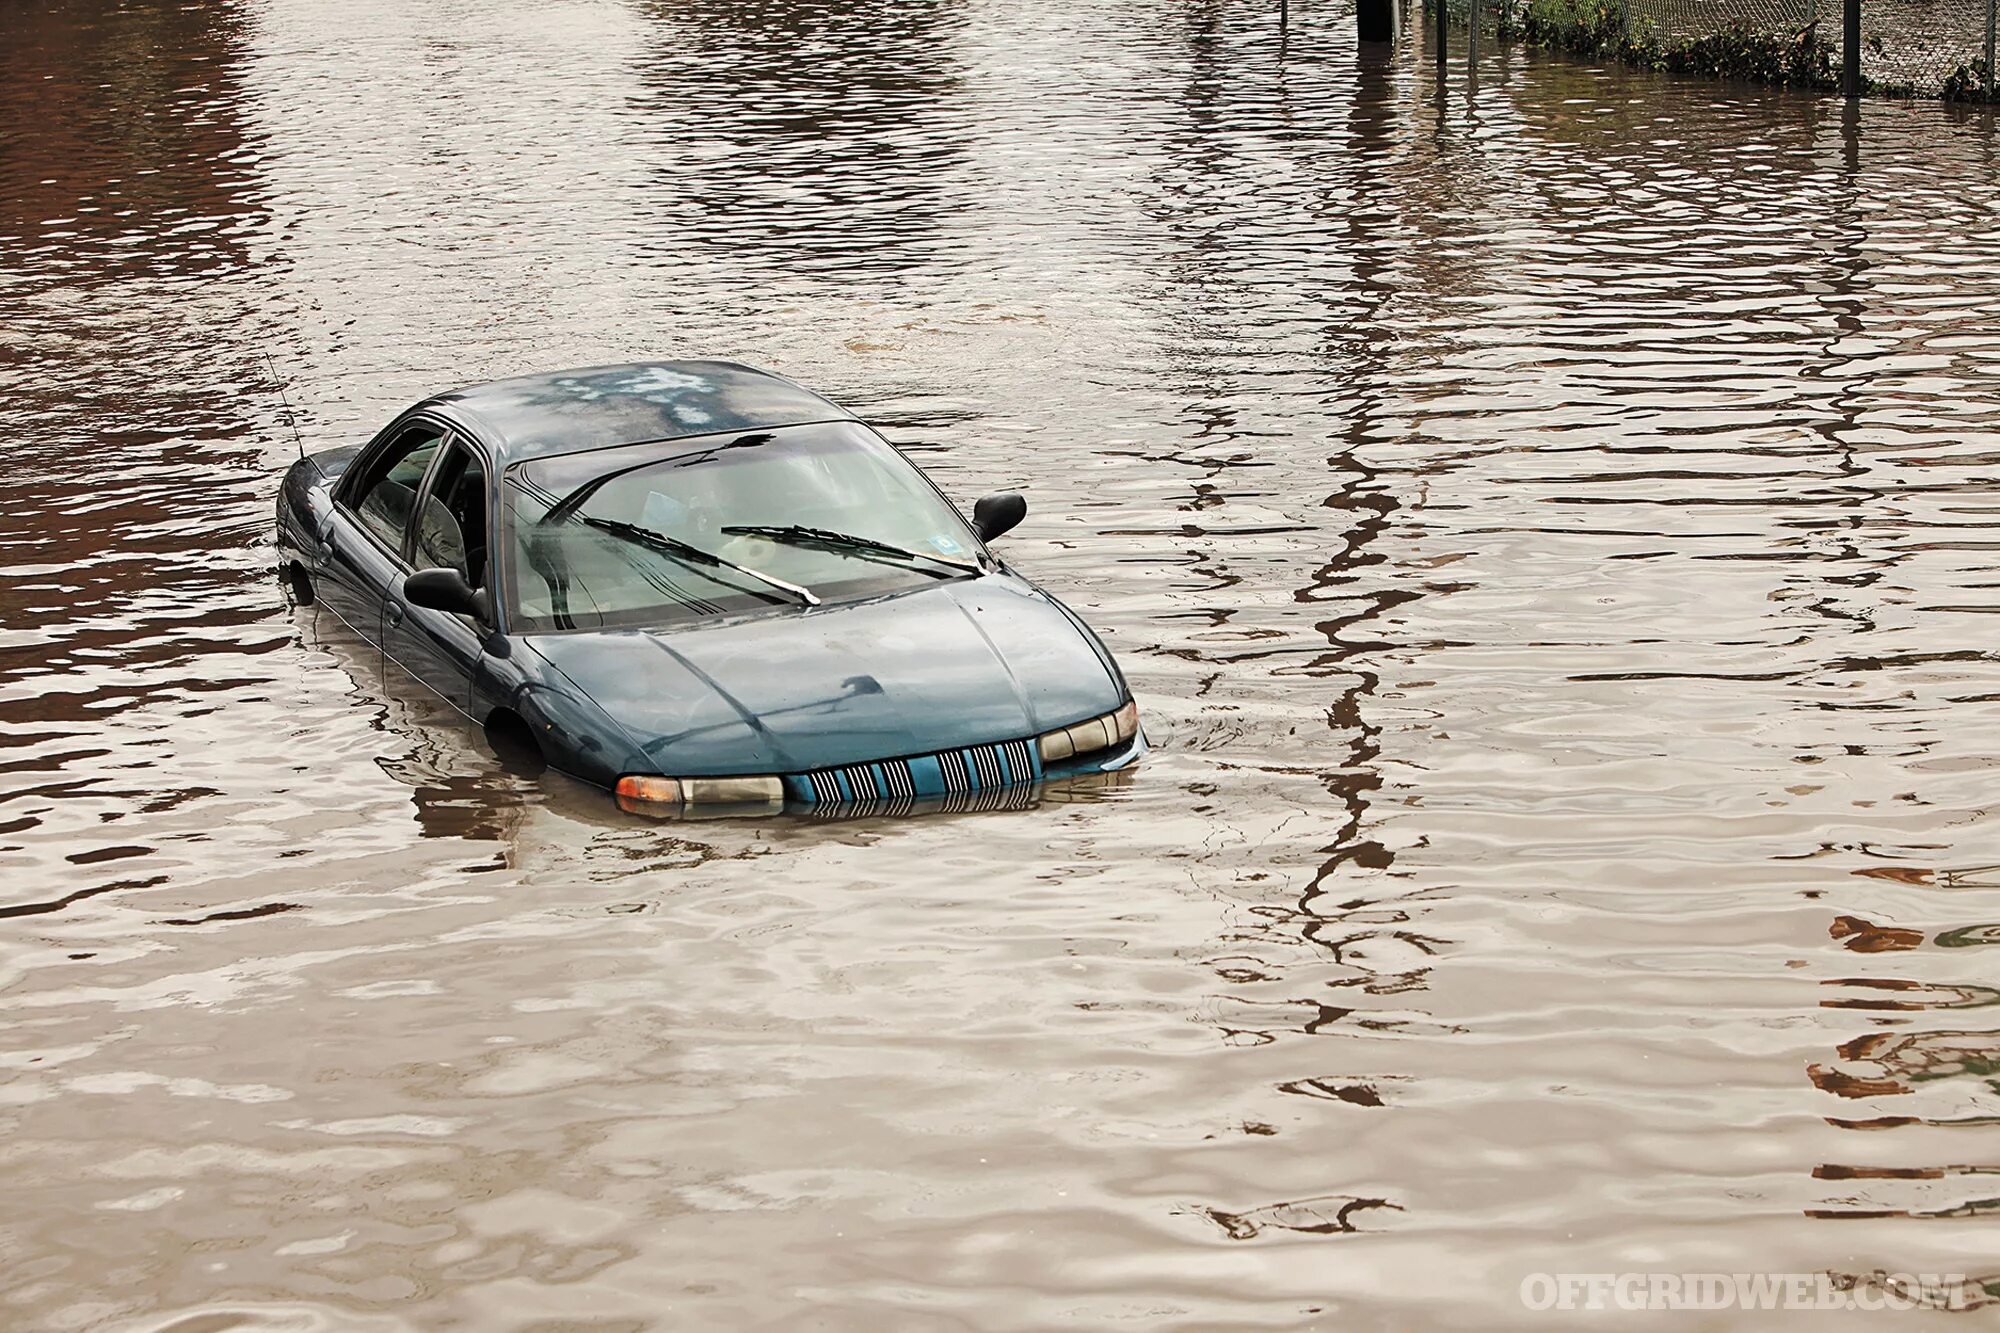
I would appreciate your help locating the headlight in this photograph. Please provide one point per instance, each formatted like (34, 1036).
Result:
(640, 794)
(1100, 733)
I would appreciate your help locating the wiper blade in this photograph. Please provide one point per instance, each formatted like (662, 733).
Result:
(566, 507)
(694, 555)
(846, 541)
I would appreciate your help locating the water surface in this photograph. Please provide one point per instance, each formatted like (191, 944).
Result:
(1545, 520)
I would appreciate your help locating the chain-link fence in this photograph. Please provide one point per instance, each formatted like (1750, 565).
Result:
(1908, 46)
(1936, 48)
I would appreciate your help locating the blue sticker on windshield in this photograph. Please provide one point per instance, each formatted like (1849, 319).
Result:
(946, 545)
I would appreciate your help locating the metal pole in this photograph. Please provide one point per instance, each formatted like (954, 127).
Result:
(1989, 50)
(1441, 30)
(1375, 20)
(1472, 36)
(1850, 48)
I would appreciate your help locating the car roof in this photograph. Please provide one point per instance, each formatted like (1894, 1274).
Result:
(593, 407)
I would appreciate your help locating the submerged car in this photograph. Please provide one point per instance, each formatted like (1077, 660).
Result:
(705, 588)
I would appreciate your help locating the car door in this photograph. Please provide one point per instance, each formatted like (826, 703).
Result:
(448, 529)
(362, 551)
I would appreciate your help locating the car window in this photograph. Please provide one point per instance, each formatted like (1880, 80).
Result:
(638, 535)
(451, 532)
(388, 496)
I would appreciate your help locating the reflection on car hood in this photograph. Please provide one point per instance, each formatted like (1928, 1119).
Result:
(786, 691)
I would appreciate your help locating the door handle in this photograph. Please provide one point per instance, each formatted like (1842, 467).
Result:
(395, 614)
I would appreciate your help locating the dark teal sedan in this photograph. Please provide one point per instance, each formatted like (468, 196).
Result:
(705, 588)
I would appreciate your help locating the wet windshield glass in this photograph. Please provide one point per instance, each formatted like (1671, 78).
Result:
(662, 533)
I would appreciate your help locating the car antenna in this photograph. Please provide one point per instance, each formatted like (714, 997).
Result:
(291, 417)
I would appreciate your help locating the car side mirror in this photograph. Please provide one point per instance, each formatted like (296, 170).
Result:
(998, 513)
(446, 590)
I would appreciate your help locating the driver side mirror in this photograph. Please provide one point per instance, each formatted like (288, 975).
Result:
(446, 590)
(998, 513)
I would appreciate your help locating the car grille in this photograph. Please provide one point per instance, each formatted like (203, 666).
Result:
(924, 777)
(971, 802)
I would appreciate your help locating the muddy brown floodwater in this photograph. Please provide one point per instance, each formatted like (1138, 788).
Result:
(1548, 524)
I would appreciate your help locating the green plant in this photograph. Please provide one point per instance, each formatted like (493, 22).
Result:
(1600, 28)
(1584, 26)
(1741, 52)
(1967, 83)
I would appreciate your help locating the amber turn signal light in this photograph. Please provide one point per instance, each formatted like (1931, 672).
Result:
(642, 795)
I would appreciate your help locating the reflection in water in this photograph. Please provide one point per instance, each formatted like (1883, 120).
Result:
(131, 604)
(128, 157)
(1336, 929)
(808, 135)
(1321, 1216)
(1544, 522)
(1931, 1062)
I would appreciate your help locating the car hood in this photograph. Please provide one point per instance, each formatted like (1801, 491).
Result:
(787, 691)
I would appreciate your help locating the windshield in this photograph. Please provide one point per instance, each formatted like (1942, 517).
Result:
(660, 533)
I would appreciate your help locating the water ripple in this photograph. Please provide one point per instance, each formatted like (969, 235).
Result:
(1543, 520)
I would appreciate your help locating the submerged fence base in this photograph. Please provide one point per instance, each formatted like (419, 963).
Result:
(1897, 48)
(1375, 20)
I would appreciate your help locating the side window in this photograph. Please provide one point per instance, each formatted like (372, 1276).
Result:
(385, 499)
(452, 531)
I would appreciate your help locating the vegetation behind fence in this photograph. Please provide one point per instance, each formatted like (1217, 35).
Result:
(1935, 48)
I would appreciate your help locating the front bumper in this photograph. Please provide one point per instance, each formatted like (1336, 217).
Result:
(951, 773)
(1003, 775)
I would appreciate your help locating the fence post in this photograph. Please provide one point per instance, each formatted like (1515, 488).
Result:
(1441, 30)
(1472, 35)
(1850, 48)
(1988, 89)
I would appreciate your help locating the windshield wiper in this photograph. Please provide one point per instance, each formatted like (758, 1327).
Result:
(847, 541)
(694, 555)
(566, 507)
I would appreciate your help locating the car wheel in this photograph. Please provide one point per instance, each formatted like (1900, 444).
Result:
(514, 744)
